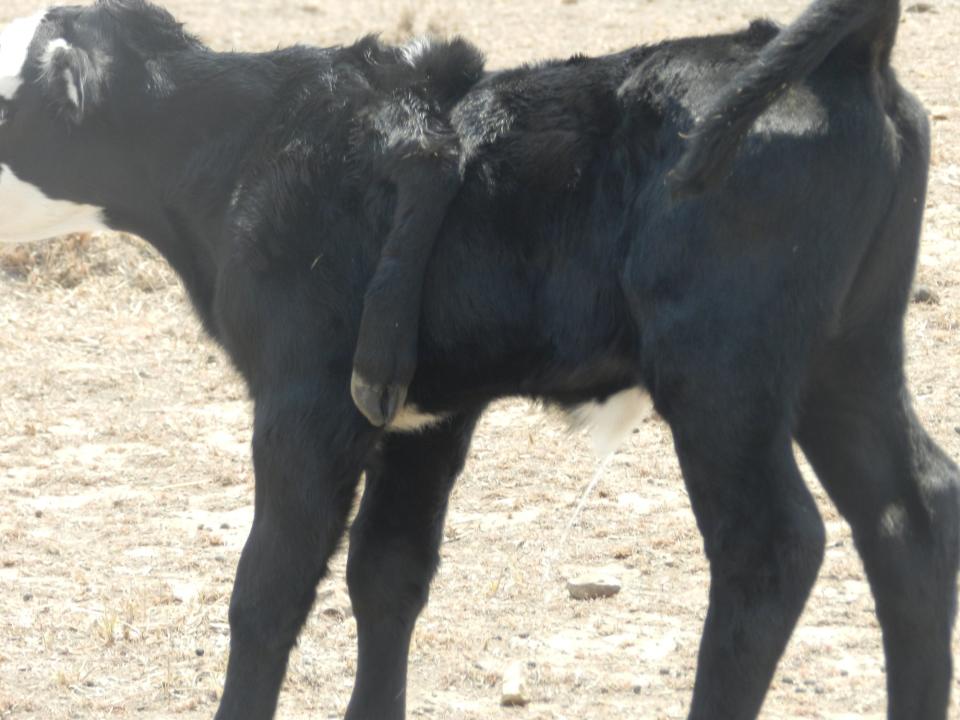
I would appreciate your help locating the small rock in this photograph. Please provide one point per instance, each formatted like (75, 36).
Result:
(27, 596)
(335, 603)
(589, 587)
(941, 112)
(926, 295)
(921, 7)
(184, 592)
(622, 552)
(199, 652)
(514, 688)
(635, 503)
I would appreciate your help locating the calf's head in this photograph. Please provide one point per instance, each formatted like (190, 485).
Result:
(75, 87)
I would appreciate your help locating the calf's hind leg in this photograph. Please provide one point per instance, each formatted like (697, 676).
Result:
(308, 450)
(394, 551)
(762, 534)
(899, 492)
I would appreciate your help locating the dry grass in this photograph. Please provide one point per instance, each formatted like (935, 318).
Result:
(125, 482)
(69, 261)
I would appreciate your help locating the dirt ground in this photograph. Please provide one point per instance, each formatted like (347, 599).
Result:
(126, 484)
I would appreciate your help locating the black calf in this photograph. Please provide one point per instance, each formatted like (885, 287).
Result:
(766, 308)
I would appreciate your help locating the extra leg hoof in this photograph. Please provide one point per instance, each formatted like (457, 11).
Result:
(378, 403)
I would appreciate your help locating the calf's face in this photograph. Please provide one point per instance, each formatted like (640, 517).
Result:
(56, 170)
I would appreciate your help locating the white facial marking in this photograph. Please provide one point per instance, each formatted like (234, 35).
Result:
(610, 422)
(52, 47)
(71, 88)
(47, 61)
(14, 46)
(27, 215)
(413, 419)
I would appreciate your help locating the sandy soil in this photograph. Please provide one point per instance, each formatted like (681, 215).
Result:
(126, 486)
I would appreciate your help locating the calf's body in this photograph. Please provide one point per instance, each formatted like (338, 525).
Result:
(767, 308)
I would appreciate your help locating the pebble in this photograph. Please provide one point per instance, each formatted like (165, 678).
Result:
(941, 112)
(590, 587)
(514, 688)
(335, 603)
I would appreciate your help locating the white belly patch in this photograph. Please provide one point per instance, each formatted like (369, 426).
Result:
(607, 423)
(610, 423)
(412, 419)
(27, 215)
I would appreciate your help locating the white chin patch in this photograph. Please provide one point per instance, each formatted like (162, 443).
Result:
(27, 215)
(14, 47)
(610, 422)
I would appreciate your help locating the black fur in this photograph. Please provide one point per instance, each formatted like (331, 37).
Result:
(767, 310)
(862, 33)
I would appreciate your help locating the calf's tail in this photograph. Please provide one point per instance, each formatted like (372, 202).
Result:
(860, 32)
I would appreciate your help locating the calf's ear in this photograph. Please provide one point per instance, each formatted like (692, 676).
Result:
(72, 80)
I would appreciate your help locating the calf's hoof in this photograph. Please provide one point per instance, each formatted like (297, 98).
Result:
(379, 403)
